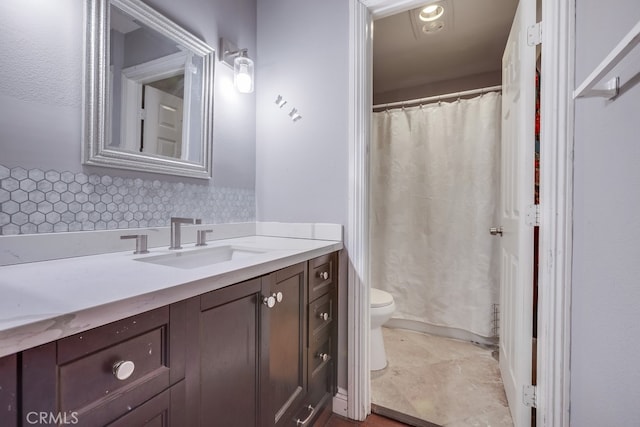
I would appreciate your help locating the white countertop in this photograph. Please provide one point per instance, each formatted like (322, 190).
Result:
(43, 301)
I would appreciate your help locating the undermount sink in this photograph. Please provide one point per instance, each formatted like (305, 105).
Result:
(202, 257)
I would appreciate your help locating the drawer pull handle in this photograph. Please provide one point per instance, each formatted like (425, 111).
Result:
(323, 275)
(123, 369)
(300, 422)
(269, 301)
(324, 316)
(323, 356)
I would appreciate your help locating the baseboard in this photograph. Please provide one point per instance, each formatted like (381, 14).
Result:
(340, 402)
(458, 334)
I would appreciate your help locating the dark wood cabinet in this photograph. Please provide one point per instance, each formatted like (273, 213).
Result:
(284, 337)
(95, 377)
(230, 356)
(258, 353)
(164, 410)
(9, 390)
(322, 334)
(267, 349)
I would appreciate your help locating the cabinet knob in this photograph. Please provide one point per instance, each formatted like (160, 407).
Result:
(269, 301)
(278, 296)
(323, 275)
(324, 316)
(123, 369)
(323, 356)
(495, 231)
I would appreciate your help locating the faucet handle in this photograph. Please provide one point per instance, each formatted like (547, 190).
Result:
(141, 242)
(182, 220)
(202, 237)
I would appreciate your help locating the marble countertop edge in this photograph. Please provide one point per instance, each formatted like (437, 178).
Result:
(40, 313)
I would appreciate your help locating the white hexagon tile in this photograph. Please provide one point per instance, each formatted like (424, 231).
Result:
(36, 201)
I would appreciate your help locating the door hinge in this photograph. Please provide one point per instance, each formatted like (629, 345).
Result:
(529, 396)
(142, 114)
(534, 34)
(532, 215)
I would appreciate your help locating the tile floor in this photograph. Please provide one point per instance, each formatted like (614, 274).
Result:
(372, 420)
(444, 381)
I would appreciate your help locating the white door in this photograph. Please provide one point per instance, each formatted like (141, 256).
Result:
(517, 194)
(162, 123)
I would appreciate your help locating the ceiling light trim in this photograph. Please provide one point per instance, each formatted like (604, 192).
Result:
(431, 13)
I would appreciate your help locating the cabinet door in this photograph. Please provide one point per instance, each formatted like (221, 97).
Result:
(284, 335)
(229, 355)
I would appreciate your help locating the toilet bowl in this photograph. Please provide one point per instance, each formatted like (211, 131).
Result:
(382, 307)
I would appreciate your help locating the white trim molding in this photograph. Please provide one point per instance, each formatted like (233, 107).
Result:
(556, 201)
(381, 8)
(357, 238)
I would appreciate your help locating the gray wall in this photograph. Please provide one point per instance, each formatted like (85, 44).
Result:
(41, 88)
(303, 56)
(302, 167)
(605, 313)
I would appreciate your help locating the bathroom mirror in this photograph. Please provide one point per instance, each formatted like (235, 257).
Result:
(148, 96)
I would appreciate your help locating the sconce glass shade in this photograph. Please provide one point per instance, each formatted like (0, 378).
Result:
(243, 75)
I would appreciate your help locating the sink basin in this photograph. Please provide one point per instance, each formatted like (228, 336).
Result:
(202, 257)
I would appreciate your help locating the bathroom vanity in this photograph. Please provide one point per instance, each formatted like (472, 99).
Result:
(243, 342)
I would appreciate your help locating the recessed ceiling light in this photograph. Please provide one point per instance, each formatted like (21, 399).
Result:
(432, 27)
(431, 13)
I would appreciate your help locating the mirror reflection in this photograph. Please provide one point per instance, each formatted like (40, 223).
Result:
(158, 92)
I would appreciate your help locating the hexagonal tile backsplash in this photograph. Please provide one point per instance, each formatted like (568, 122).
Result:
(35, 201)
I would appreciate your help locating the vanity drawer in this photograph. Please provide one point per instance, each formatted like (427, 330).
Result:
(78, 374)
(164, 410)
(322, 271)
(91, 378)
(321, 316)
(320, 375)
(320, 356)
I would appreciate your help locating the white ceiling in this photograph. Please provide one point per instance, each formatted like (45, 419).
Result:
(471, 42)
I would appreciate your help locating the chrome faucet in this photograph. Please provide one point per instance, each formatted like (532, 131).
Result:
(175, 230)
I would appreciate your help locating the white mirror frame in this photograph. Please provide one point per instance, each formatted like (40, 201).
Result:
(96, 93)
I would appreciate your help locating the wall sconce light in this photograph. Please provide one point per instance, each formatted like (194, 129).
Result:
(243, 74)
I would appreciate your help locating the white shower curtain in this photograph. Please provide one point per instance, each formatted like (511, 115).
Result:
(434, 196)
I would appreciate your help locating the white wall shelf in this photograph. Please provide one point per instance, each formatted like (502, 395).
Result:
(591, 86)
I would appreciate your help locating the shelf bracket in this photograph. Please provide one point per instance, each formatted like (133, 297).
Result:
(609, 90)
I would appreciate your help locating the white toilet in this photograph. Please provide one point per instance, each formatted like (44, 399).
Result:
(382, 307)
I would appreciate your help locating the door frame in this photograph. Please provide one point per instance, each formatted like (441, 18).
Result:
(136, 76)
(556, 197)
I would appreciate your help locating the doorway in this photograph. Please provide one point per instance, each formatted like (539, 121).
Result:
(423, 83)
(556, 134)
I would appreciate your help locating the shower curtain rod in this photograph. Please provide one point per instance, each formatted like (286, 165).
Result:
(439, 97)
